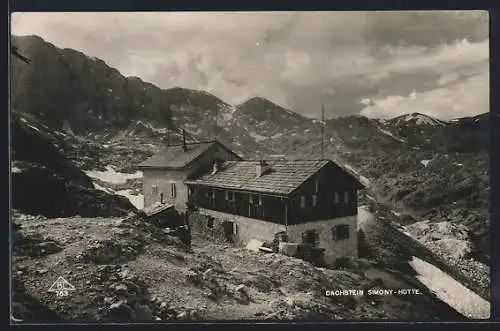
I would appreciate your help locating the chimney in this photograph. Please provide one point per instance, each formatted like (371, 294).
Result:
(261, 168)
(215, 167)
(184, 146)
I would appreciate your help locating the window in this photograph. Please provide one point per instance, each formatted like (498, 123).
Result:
(346, 197)
(154, 189)
(310, 237)
(336, 197)
(213, 194)
(302, 201)
(173, 190)
(256, 199)
(340, 232)
(316, 181)
(314, 200)
(229, 196)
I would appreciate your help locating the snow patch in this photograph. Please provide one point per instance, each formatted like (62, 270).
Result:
(34, 128)
(257, 136)
(348, 167)
(136, 200)
(425, 162)
(395, 213)
(16, 170)
(450, 291)
(151, 127)
(422, 119)
(277, 135)
(105, 189)
(365, 181)
(391, 135)
(364, 215)
(112, 176)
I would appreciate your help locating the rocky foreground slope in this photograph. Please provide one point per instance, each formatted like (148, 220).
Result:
(128, 270)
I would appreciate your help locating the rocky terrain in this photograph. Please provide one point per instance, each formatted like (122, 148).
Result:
(423, 178)
(129, 270)
(452, 245)
(45, 182)
(428, 177)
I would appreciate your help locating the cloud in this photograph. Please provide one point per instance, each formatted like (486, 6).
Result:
(464, 98)
(297, 59)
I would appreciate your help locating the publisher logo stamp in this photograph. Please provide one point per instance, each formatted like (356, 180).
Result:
(61, 287)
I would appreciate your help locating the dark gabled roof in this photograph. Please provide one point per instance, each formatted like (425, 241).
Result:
(174, 156)
(283, 178)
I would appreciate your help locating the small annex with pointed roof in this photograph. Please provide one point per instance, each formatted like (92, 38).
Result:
(166, 171)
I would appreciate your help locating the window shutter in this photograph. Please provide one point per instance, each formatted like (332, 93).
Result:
(314, 200)
(336, 197)
(302, 201)
(346, 196)
(173, 190)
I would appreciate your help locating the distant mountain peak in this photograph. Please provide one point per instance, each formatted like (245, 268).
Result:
(262, 109)
(259, 101)
(418, 119)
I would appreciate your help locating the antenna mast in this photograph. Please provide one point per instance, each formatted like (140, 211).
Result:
(216, 128)
(322, 131)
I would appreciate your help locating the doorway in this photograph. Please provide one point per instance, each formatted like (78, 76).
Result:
(229, 228)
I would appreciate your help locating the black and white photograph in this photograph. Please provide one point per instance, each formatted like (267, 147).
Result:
(258, 166)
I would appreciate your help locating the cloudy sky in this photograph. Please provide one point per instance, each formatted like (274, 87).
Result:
(379, 64)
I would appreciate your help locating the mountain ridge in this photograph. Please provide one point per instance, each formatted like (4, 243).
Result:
(28, 42)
